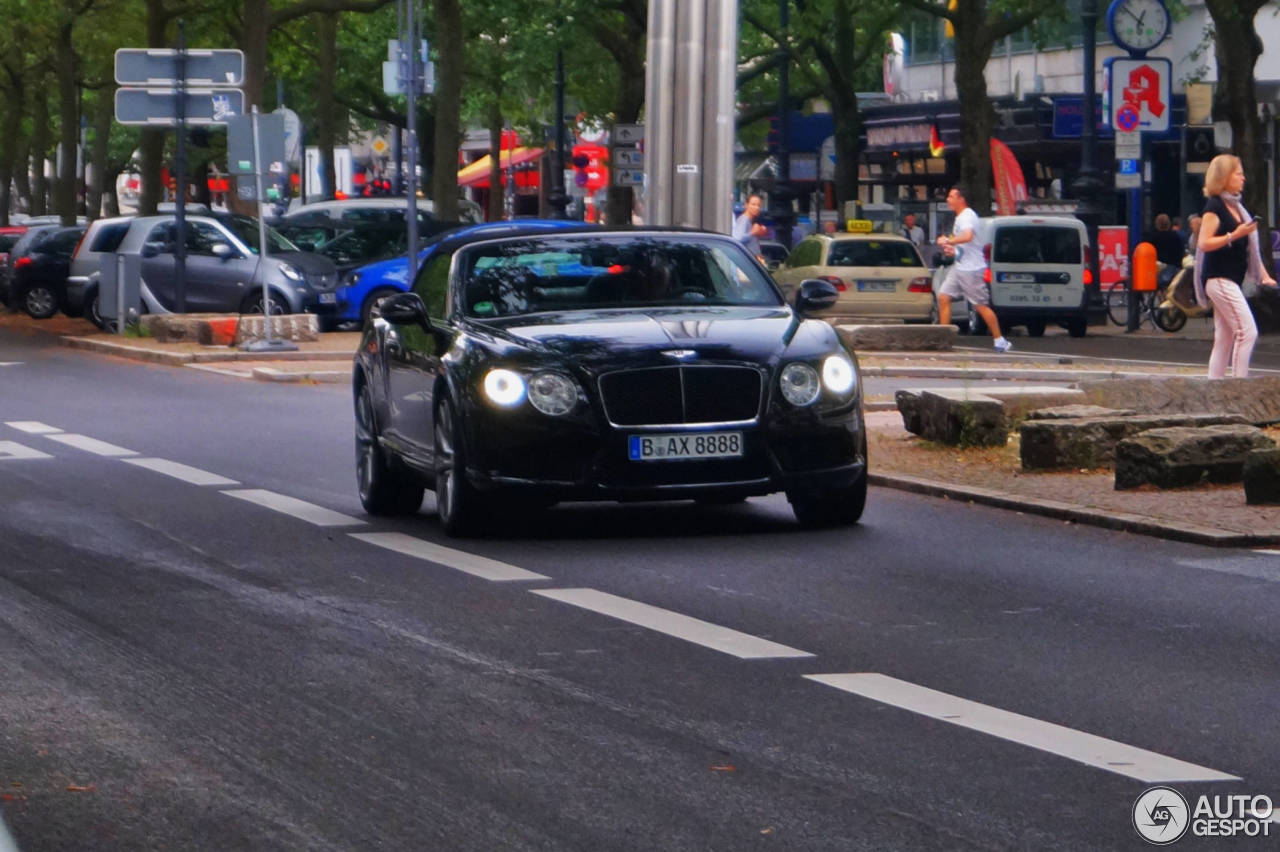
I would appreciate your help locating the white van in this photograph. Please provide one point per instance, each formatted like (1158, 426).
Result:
(1038, 271)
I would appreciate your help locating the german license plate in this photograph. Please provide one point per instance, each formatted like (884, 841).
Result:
(688, 445)
(328, 298)
(876, 286)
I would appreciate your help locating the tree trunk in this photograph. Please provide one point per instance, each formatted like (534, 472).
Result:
(13, 99)
(253, 41)
(151, 146)
(448, 129)
(973, 49)
(326, 106)
(39, 151)
(98, 187)
(846, 119)
(496, 199)
(22, 173)
(69, 126)
(620, 200)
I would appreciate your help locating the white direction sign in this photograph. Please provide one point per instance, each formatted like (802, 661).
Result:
(1141, 94)
(159, 107)
(1128, 181)
(628, 134)
(633, 157)
(142, 66)
(628, 177)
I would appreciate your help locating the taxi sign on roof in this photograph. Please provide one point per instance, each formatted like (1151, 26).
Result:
(858, 226)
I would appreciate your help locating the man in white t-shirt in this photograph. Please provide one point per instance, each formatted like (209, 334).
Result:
(965, 277)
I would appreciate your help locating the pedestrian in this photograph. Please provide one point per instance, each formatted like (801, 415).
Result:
(1226, 251)
(965, 276)
(1193, 222)
(912, 231)
(1169, 247)
(747, 230)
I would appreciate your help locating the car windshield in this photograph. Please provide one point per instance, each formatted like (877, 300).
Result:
(1037, 244)
(892, 253)
(567, 273)
(247, 230)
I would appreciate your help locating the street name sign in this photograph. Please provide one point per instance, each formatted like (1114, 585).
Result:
(141, 66)
(159, 107)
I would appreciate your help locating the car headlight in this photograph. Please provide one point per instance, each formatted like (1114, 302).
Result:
(289, 272)
(800, 384)
(553, 393)
(839, 375)
(504, 387)
(352, 279)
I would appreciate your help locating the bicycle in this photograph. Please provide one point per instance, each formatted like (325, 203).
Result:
(1153, 306)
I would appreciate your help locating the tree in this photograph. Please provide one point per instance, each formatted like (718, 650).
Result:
(979, 25)
(450, 71)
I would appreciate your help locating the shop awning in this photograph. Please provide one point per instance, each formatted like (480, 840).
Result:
(477, 174)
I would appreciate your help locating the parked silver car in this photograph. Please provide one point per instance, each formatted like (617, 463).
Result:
(224, 272)
(81, 294)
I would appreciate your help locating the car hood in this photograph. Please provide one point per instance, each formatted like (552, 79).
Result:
(308, 262)
(659, 334)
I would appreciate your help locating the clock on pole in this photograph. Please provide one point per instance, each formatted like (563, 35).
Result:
(1138, 25)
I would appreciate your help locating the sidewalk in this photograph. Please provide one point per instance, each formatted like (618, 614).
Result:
(1210, 515)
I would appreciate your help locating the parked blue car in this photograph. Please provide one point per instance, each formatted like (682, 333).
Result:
(363, 287)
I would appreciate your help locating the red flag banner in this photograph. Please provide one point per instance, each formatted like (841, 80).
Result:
(1011, 186)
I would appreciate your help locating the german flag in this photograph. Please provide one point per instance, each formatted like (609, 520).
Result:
(935, 142)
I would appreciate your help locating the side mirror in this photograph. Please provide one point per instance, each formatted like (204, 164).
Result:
(404, 309)
(815, 295)
(223, 251)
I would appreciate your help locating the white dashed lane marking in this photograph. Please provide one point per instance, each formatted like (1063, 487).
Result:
(32, 427)
(90, 445)
(1099, 752)
(300, 509)
(186, 473)
(469, 563)
(13, 450)
(741, 645)
(1268, 552)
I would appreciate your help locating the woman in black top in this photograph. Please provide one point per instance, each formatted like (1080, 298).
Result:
(1226, 251)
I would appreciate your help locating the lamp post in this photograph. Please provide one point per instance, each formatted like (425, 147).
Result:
(556, 197)
(780, 199)
(1087, 186)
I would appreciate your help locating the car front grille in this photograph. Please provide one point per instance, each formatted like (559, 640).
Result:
(685, 394)
(323, 282)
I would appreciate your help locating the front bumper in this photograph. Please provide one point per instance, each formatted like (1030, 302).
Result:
(800, 451)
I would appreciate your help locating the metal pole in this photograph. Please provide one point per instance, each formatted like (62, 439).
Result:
(1088, 185)
(411, 213)
(180, 177)
(120, 312)
(262, 229)
(557, 197)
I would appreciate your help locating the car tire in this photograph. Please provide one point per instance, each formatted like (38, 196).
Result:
(371, 300)
(1035, 328)
(832, 507)
(1078, 326)
(92, 310)
(383, 490)
(40, 301)
(253, 304)
(458, 505)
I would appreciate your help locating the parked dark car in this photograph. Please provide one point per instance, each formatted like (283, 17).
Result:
(40, 275)
(535, 367)
(21, 248)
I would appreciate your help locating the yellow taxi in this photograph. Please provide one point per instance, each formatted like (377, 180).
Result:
(878, 276)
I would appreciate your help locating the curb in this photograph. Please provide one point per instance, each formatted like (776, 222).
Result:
(1068, 512)
(178, 359)
(267, 374)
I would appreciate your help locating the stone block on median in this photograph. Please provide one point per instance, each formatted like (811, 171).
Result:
(208, 329)
(944, 424)
(1183, 455)
(295, 327)
(1088, 443)
(886, 338)
(1256, 398)
(1075, 412)
(1262, 477)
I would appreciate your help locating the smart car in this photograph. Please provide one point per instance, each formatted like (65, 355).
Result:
(532, 367)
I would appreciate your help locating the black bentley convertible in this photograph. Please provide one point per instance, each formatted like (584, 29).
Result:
(538, 367)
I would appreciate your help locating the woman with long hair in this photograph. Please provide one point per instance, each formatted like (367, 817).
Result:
(1226, 252)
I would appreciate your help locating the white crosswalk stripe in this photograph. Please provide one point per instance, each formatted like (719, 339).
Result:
(13, 450)
(90, 445)
(741, 645)
(1099, 752)
(186, 473)
(469, 563)
(32, 427)
(300, 509)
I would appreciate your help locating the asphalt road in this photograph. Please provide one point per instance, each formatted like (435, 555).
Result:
(192, 660)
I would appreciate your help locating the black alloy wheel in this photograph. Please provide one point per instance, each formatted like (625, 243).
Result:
(458, 504)
(40, 301)
(383, 490)
(253, 304)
